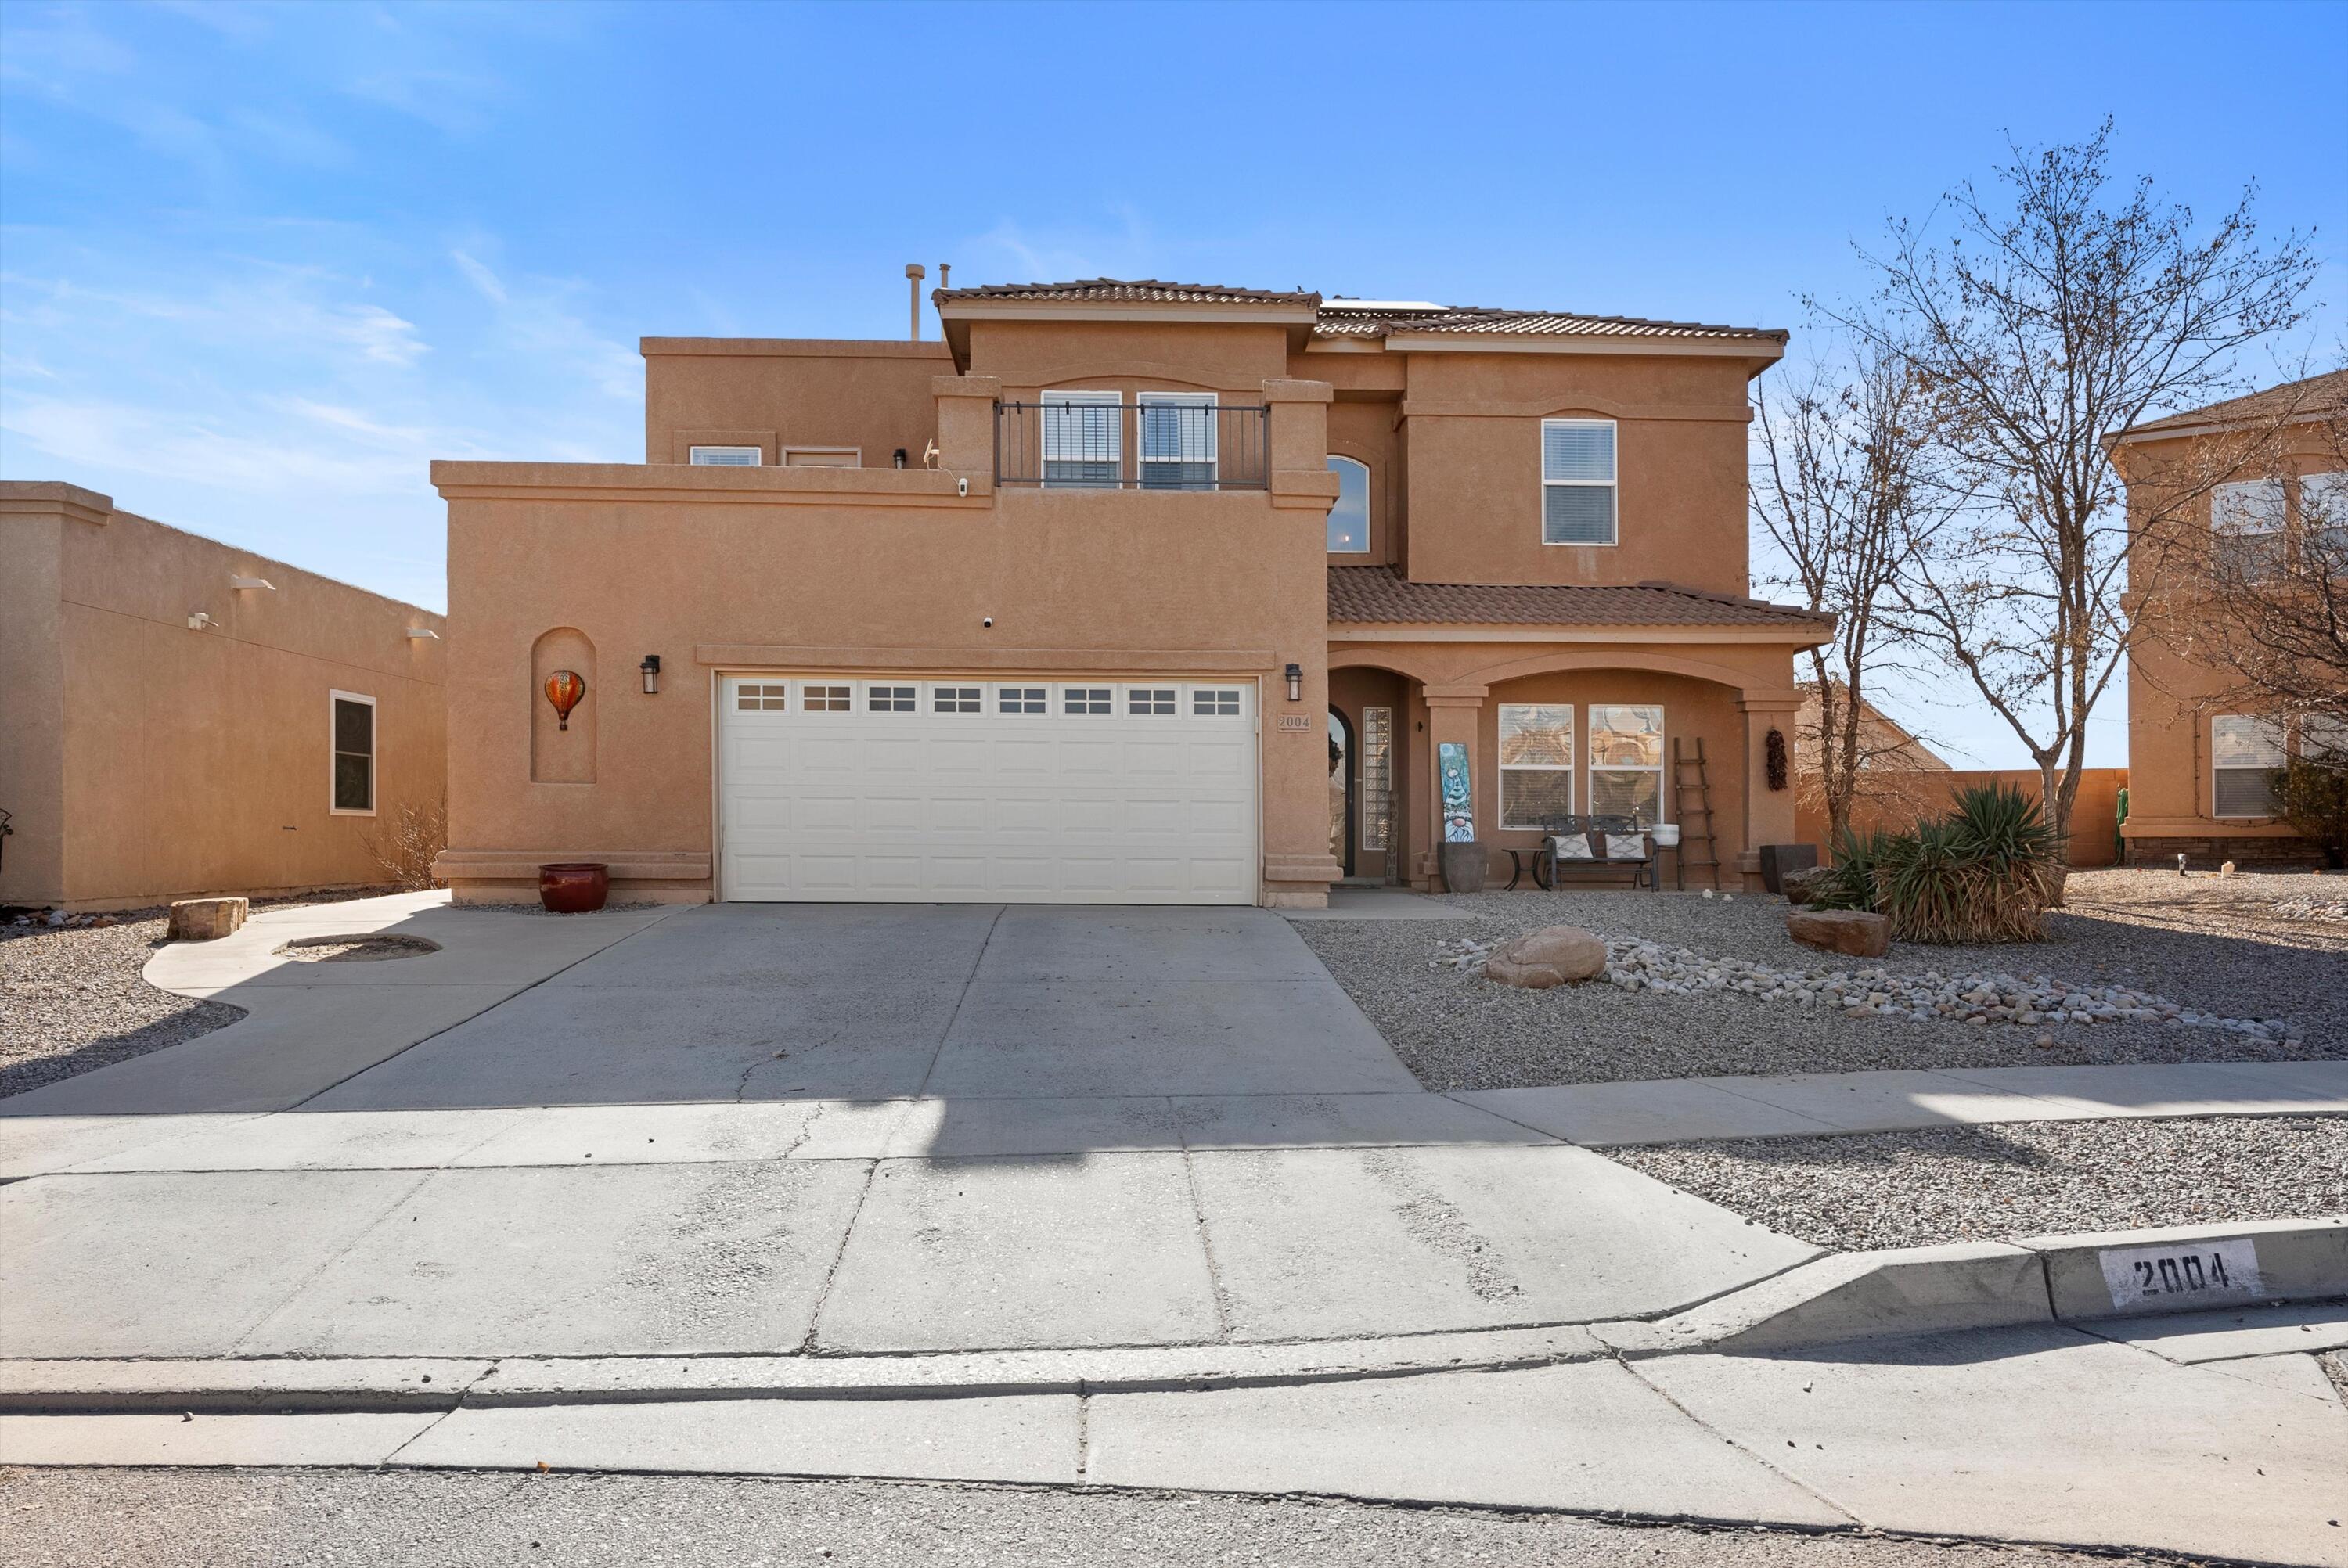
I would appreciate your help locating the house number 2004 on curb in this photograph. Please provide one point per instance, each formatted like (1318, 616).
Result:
(2187, 1275)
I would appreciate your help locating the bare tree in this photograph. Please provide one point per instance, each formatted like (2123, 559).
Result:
(2265, 611)
(2046, 324)
(1844, 493)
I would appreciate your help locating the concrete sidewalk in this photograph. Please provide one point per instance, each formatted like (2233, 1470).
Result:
(2043, 1434)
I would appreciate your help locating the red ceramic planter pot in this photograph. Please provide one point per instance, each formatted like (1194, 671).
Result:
(575, 889)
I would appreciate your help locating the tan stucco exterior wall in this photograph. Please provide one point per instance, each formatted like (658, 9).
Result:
(199, 761)
(2173, 695)
(1473, 430)
(772, 392)
(737, 569)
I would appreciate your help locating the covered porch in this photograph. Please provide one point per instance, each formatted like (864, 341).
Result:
(1653, 703)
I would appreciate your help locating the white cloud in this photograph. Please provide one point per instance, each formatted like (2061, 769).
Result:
(491, 287)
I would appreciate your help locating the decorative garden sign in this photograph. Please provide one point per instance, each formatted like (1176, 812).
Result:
(1458, 805)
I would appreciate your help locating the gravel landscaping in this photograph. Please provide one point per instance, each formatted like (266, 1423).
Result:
(2219, 946)
(71, 1000)
(1862, 1191)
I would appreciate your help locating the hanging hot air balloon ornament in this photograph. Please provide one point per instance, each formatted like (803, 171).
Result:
(564, 688)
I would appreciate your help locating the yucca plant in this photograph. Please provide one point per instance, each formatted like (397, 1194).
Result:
(1849, 882)
(2018, 863)
(1987, 872)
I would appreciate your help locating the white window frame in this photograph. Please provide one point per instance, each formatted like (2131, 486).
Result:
(1364, 549)
(335, 753)
(1573, 756)
(1088, 702)
(1614, 486)
(2329, 515)
(1143, 701)
(1041, 696)
(726, 457)
(2276, 729)
(884, 696)
(1663, 755)
(2244, 509)
(1206, 703)
(762, 696)
(1082, 397)
(840, 691)
(1142, 459)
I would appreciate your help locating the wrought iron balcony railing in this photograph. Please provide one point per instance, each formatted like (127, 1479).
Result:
(1159, 441)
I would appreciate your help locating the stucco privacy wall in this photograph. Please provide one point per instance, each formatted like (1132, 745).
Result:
(723, 570)
(195, 761)
(769, 393)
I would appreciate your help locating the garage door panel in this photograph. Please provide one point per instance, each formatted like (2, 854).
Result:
(919, 805)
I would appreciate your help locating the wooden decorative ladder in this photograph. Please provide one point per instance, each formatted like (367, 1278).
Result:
(1695, 820)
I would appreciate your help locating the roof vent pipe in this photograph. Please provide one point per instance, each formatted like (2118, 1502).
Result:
(914, 273)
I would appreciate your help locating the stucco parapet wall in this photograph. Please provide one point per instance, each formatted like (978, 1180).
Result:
(1292, 389)
(1091, 661)
(794, 348)
(1303, 487)
(630, 864)
(53, 498)
(770, 486)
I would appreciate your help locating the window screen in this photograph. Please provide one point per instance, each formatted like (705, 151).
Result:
(1577, 482)
(354, 755)
(2244, 753)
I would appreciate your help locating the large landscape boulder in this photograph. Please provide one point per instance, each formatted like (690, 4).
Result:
(1552, 956)
(1855, 932)
(1801, 887)
(205, 919)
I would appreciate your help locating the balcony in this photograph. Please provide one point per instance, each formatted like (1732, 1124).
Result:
(1160, 441)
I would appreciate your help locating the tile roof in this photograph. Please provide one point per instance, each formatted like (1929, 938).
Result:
(1338, 321)
(1150, 291)
(2317, 397)
(1380, 595)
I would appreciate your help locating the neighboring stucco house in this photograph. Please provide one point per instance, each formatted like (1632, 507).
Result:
(2201, 756)
(1123, 592)
(184, 717)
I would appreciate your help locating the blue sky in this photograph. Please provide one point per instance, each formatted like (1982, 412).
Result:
(260, 263)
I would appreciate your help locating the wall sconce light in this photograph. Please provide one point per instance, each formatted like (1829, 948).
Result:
(897, 458)
(1295, 673)
(651, 669)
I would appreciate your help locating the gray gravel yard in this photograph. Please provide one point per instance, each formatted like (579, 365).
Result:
(72, 1000)
(1868, 1190)
(2205, 941)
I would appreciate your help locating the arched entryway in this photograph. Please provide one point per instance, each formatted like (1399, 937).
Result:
(1345, 809)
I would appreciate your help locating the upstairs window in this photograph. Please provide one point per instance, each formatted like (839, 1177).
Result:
(724, 457)
(1577, 482)
(1349, 520)
(1178, 440)
(2324, 520)
(2246, 522)
(354, 743)
(2244, 753)
(1084, 440)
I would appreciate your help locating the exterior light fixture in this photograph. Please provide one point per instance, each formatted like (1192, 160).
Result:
(259, 582)
(198, 620)
(422, 634)
(564, 688)
(650, 669)
(1295, 673)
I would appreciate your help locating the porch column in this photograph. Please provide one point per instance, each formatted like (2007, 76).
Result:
(1453, 714)
(1768, 813)
(966, 427)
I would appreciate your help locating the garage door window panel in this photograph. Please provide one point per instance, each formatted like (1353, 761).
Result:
(815, 699)
(1085, 700)
(955, 700)
(1020, 700)
(888, 699)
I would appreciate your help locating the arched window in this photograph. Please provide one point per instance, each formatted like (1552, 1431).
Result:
(1349, 520)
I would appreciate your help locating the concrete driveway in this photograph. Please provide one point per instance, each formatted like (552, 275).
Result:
(789, 1129)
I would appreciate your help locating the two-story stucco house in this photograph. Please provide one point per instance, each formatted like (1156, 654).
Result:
(2259, 485)
(1122, 592)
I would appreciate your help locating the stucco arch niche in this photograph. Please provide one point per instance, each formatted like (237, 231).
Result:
(557, 754)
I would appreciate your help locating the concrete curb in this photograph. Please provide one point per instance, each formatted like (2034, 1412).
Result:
(1901, 1292)
(2093, 1278)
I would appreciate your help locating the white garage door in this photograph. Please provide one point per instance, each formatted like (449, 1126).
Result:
(921, 788)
